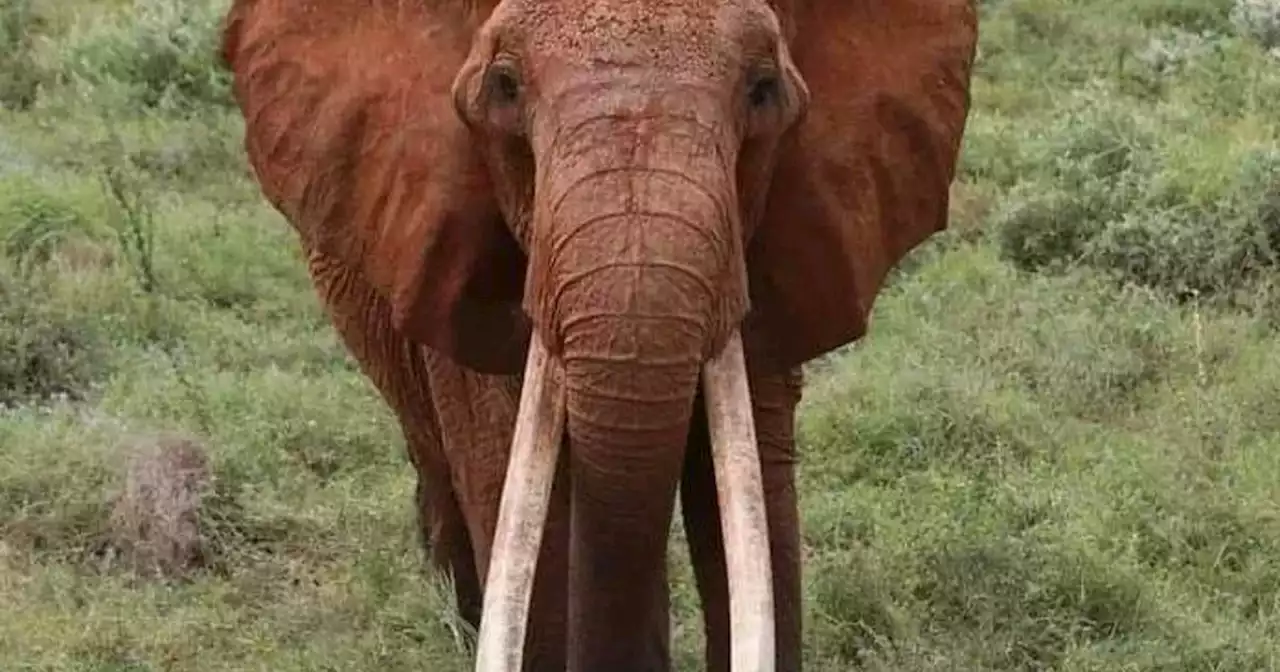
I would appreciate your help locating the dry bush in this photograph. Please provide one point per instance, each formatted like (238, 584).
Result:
(1258, 19)
(156, 523)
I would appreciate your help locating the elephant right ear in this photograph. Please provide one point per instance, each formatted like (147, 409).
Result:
(865, 176)
(351, 131)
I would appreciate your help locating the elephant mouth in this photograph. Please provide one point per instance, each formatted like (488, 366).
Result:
(526, 495)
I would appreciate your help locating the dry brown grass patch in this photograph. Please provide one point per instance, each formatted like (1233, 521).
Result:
(157, 521)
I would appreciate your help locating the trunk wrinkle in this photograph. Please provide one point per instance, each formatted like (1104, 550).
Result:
(570, 281)
(634, 171)
(584, 226)
(643, 399)
(587, 317)
(566, 135)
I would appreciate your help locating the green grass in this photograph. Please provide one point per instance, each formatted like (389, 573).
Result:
(1059, 449)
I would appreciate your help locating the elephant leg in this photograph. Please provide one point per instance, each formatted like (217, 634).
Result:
(444, 531)
(545, 642)
(477, 417)
(774, 400)
(397, 368)
(701, 516)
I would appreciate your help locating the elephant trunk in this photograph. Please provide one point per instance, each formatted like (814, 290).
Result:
(638, 290)
(637, 231)
(638, 253)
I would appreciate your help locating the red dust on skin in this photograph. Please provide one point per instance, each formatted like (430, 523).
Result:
(635, 181)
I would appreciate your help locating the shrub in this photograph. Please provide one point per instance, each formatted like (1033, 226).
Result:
(1193, 15)
(1047, 229)
(45, 351)
(1171, 51)
(1182, 251)
(1107, 193)
(163, 52)
(1207, 250)
(20, 75)
(1185, 253)
(35, 220)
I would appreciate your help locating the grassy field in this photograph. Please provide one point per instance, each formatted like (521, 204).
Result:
(1058, 450)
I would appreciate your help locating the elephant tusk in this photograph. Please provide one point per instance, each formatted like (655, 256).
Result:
(740, 490)
(522, 515)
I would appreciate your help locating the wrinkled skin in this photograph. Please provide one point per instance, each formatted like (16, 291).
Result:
(634, 181)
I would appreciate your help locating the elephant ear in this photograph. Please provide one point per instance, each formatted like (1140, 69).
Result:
(351, 131)
(865, 177)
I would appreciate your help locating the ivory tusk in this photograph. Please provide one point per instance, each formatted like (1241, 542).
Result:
(522, 515)
(740, 490)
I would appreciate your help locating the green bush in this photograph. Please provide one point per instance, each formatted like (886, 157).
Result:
(1193, 15)
(20, 75)
(1108, 194)
(1089, 169)
(1197, 254)
(46, 351)
(35, 220)
(1047, 230)
(1183, 251)
(1170, 51)
(162, 52)
(1209, 250)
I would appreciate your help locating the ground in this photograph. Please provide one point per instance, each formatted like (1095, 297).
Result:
(1059, 448)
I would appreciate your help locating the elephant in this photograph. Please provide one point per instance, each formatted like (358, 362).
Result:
(618, 228)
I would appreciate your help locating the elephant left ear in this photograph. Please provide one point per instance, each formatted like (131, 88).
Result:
(865, 176)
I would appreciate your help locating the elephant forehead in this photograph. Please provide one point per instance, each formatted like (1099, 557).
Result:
(664, 34)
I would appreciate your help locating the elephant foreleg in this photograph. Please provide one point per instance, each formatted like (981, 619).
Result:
(398, 370)
(477, 418)
(774, 400)
(444, 530)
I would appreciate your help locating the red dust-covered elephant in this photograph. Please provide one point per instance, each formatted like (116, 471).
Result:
(596, 239)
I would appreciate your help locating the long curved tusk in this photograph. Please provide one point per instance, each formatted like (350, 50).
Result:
(522, 515)
(740, 489)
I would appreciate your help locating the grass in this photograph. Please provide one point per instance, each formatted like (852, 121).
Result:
(1058, 450)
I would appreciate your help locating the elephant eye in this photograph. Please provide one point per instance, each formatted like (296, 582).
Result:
(764, 90)
(503, 83)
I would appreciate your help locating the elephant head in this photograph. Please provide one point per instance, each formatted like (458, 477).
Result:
(633, 187)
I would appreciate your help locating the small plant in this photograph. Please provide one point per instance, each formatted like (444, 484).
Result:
(1106, 195)
(1183, 250)
(133, 220)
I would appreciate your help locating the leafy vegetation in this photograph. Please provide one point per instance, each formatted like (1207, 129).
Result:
(1059, 449)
